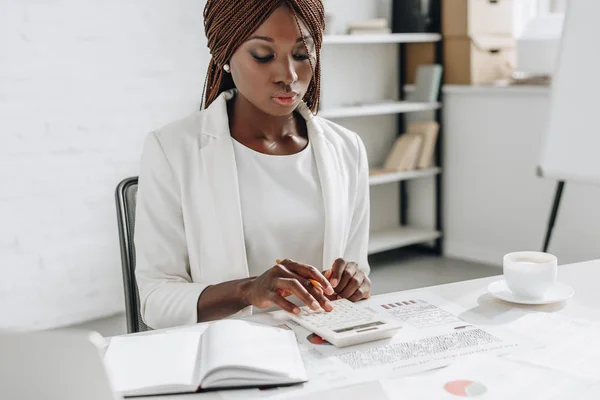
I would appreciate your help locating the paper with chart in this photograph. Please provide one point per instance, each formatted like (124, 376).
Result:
(571, 345)
(491, 378)
(431, 332)
(432, 336)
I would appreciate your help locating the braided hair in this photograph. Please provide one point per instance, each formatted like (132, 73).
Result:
(229, 23)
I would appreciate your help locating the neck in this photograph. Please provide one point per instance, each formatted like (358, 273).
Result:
(249, 122)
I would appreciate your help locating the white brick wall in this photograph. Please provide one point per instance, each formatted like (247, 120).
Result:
(81, 84)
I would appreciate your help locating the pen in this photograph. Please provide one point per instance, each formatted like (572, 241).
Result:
(316, 284)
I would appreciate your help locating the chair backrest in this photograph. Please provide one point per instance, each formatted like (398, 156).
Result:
(126, 196)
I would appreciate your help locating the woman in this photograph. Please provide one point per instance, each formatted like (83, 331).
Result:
(253, 178)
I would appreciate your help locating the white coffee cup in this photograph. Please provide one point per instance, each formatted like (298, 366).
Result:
(529, 274)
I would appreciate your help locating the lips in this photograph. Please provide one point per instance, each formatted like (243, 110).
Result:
(285, 99)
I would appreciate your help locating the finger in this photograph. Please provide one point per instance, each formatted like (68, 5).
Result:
(308, 271)
(366, 285)
(316, 292)
(347, 275)
(336, 271)
(327, 274)
(321, 298)
(283, 293)
(316, 285)
(353, 284)
(285, 304)
(294, 286)
(282, 271)
(363, 292)
(332, 297)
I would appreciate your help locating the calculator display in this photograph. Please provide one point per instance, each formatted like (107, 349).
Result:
(359, 328)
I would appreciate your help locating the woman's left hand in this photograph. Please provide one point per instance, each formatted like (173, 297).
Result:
(348, 281)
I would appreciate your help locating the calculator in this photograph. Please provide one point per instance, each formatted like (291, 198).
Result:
(347, 324)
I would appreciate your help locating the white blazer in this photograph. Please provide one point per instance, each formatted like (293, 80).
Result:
(189, 232)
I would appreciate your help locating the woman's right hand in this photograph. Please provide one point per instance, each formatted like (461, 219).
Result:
(284, 279)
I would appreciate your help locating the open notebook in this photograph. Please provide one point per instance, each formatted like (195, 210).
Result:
(229, 353)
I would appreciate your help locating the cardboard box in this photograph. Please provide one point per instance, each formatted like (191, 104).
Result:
(475, 17)
(538, 47)
(478, 60)
(418, 54)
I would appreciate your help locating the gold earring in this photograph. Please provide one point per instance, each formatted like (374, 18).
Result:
(226, 67)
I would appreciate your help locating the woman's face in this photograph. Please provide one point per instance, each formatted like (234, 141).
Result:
(272, 68)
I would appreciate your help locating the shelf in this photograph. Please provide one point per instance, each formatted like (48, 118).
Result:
(400, 237)
(516, 90)
(391, 107)
(490, 89)
(403, 176)
(382, 38)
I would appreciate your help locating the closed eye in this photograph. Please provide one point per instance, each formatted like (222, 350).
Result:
(263, 59)
(266, 59)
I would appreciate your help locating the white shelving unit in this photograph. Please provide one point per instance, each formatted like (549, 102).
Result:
(382, 39)
(382, 179)
(401, 236)
(391, 107)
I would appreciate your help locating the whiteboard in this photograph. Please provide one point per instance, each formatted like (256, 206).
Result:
(571, 150)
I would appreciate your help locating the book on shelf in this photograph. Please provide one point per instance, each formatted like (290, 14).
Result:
(372, 23)
(412, 150)
(369, 26)
(429, 132)
(383, 31)
(427, 85)
(404, 155)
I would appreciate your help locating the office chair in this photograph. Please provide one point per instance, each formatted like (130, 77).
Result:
(126, 196)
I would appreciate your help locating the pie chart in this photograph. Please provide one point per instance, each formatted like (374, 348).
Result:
(463, 388)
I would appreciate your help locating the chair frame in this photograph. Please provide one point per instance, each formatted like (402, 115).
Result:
(126, 254)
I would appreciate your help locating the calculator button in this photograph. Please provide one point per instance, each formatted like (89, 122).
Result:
(344, 313)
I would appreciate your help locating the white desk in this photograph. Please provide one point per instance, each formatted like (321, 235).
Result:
(472, 295)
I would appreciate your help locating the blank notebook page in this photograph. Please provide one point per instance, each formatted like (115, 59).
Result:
(259, 347)
(155, 360)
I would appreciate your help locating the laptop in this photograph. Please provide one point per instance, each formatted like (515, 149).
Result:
(53, 365)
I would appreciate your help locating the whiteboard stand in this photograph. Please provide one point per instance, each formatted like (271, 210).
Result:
(559, 190)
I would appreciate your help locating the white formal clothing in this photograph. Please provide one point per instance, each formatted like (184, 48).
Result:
(282, 207)
(189, 227)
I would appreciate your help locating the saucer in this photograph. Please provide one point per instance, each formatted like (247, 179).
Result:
(559, 292)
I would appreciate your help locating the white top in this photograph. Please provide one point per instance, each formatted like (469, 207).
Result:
(282, 207)
(189, 231)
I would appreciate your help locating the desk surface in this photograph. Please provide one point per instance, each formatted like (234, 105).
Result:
(472, 295)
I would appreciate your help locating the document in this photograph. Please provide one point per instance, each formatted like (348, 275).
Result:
(432, 336)
(570, 345)
(420, 313)
(369, 390)
(491, 378)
